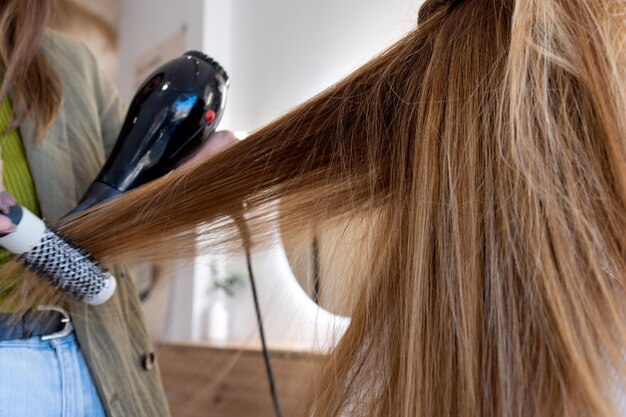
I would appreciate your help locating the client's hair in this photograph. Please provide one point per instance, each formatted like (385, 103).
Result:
(487, 148)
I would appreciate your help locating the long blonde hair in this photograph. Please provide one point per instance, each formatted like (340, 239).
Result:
(487, 148)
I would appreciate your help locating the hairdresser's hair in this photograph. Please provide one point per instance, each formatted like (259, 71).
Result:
(487, 149)
(27, 76)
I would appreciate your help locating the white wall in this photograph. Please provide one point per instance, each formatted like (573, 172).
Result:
(286, 51)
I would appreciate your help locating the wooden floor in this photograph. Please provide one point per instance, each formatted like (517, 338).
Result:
(203, 381)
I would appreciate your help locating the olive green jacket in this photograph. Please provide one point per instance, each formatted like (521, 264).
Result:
(112, 336)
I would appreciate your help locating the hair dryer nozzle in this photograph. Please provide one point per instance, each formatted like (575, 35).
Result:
(208, 60)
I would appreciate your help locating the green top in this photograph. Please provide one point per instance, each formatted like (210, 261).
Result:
(17, 179)
(16, 175)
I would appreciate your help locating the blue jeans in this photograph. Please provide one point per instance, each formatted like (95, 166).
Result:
(46, 379)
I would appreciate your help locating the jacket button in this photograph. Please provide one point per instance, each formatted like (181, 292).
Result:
(148, 361)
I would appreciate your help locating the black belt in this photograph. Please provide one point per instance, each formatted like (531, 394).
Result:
(45, 322)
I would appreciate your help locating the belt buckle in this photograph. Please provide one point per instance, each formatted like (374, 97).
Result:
(66, 320)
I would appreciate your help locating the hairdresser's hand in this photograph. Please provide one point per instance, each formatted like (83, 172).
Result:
(6, 202)
(216, 143)
(6, 225)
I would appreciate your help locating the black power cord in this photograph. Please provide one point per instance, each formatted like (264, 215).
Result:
(245, 234)
(315, 247)
(266, 355)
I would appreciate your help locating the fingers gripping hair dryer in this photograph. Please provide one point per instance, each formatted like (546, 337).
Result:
(174, 111)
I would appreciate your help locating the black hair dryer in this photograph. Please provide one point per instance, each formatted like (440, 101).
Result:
(174, 111)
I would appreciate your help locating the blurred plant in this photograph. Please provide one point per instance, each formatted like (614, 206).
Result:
(234, 278)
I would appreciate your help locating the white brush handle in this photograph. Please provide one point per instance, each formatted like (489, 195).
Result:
(55, 260)
(28, 234)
